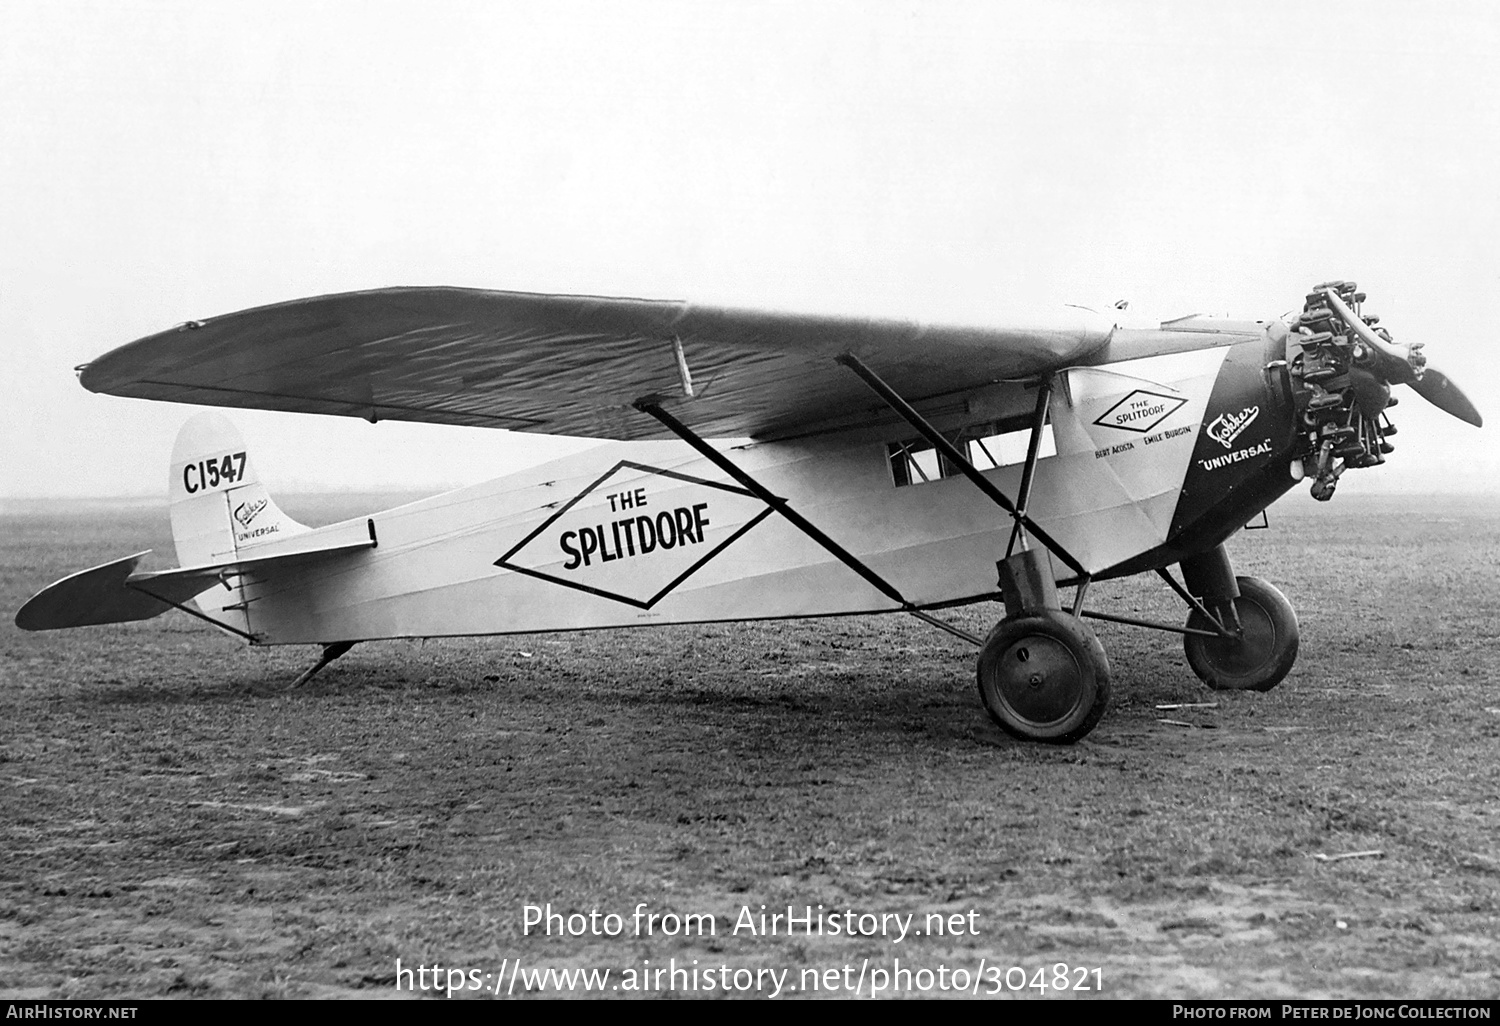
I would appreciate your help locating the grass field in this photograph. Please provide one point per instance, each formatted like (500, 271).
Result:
(177, 822)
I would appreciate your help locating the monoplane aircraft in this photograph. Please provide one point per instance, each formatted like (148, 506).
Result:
(760, 464)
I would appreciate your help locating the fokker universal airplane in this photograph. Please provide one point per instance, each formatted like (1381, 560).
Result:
(892, 467)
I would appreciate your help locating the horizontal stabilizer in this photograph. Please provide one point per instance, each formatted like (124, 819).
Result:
(115, 593)
(94, 596)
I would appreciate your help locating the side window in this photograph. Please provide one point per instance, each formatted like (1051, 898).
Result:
(917, 462)
(1007, 448)
(987, 446)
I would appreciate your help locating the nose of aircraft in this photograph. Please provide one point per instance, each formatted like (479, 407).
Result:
(1343, 367)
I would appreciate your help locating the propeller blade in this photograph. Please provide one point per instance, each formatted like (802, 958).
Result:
(1403, 365)
(1396, 359)
(1436, 388)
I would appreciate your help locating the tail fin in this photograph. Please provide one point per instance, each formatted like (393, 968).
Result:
(222, 519)
(219, 507)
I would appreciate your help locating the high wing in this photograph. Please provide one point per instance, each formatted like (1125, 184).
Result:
(574, 365)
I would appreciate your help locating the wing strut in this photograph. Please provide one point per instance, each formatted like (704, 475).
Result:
(797, 520)
(959, 460)
(1028, 472)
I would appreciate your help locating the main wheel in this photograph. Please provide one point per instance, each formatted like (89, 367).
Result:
(1044, 677)
(1259, 659)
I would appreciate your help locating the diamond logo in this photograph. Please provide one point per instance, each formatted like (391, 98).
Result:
(636, 533)
(1140, 411)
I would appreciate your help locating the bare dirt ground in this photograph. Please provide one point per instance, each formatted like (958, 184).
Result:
(177, 822)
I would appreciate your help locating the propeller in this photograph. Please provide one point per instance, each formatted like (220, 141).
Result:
(1406, 365)
(1438, 389)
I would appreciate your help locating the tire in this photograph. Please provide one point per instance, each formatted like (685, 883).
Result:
(1044, 677)
(1263, 657)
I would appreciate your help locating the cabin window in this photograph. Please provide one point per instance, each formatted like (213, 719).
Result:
(987, 446)
(1004, 449)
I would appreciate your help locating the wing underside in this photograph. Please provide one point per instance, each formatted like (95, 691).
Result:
(574, 365)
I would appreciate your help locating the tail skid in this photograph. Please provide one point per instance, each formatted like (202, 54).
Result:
(330, 653)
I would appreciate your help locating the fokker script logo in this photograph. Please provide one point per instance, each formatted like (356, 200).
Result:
(248, 511)
(1227, 427)
(1140, 411)
(636, 533)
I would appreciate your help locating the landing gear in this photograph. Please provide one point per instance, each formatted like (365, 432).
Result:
(1043, 676)
(1261, 655)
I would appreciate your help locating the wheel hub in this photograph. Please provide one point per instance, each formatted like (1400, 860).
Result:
(1039, 679)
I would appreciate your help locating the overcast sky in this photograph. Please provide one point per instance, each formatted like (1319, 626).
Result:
(167, 161)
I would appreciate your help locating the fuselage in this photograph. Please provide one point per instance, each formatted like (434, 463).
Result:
(1162, 449)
